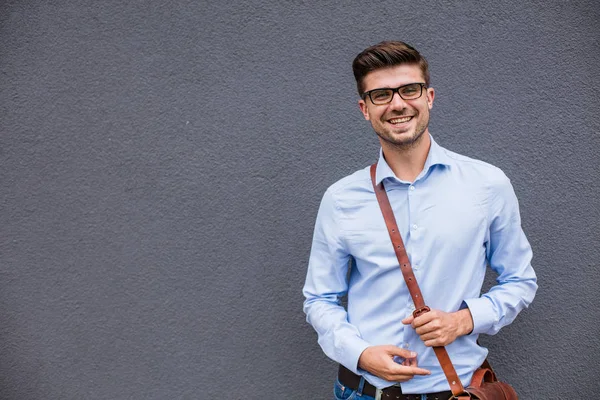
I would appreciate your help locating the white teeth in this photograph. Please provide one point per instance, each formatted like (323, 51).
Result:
(400, 120)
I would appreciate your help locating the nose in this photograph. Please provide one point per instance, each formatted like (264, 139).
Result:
(397, 101)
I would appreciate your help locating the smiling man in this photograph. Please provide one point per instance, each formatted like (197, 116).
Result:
(456, 216)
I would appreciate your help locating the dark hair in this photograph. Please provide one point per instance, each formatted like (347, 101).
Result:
(384, 55)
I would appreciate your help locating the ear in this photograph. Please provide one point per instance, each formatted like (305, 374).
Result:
(430, 97)
(364, 109)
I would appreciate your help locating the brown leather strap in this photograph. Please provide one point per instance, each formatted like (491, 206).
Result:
(390, 222)
(411, 282)
(486, 365)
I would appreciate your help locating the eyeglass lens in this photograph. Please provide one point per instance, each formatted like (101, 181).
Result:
(407, 92)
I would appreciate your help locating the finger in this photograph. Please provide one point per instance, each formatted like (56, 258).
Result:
(424, 319)
(439, 341)
(431, 327)
(408, 373)
(433, 343)
(409, 370)
(404, 353)
(399, 378)
(408, 320)
(391, 350)
(420, 371)
(427, 328)
(410, 362)
(429, 336)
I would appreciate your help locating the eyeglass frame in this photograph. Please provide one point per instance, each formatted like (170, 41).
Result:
(422, 85)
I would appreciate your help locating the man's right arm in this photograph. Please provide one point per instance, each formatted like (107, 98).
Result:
(326, 283)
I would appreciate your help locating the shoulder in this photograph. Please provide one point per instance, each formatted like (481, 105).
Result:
(349, 189)
(486, 179)
(476, 170)
(358, 180)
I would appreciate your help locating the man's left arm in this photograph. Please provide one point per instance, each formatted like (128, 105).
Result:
(509, 255)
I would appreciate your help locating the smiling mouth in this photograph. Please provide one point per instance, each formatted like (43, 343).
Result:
(400, 120)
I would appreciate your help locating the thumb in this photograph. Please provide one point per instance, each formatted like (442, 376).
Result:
(404, 353)
(408, 320)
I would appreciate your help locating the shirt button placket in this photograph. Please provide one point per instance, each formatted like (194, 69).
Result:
(413, 227)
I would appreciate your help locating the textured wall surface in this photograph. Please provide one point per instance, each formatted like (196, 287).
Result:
(161, 165)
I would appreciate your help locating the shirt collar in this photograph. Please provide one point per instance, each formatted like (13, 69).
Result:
(436, 156)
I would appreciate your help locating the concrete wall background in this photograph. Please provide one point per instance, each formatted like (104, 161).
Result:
(161, 165)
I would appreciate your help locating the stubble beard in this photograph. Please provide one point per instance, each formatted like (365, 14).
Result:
(404, 142)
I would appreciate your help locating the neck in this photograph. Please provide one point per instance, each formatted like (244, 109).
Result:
(407, 162)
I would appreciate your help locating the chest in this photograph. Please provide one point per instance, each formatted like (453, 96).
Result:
(448, 217)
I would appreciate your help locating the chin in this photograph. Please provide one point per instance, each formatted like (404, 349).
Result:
(401, 139)
(404, 137)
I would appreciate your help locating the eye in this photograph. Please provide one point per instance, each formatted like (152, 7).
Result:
(410, 90)
(378, 95)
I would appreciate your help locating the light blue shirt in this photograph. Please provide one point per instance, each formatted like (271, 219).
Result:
(458, 216)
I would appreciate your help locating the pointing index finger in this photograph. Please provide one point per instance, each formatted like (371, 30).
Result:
(407, 370)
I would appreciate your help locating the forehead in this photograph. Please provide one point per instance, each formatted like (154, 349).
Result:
(393, 77)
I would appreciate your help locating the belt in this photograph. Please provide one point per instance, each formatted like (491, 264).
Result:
(351, 380)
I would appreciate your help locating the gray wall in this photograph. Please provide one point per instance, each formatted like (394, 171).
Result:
(161, 165)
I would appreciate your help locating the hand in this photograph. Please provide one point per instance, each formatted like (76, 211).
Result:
(439, 328)
(379, 360)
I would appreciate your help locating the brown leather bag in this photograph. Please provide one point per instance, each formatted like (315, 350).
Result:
(484, 384)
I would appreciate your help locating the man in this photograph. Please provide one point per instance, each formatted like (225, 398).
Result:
(456, 215)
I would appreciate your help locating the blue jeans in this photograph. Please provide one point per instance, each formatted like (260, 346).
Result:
(340, 392)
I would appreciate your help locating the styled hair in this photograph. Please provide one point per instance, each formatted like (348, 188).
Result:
(384, 55)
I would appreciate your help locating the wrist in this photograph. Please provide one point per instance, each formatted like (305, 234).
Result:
(465, 322)
(361, 358)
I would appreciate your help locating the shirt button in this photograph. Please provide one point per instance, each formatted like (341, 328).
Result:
(412, 187)
(414, 227)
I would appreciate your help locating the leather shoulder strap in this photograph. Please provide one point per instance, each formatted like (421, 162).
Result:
(411, 282)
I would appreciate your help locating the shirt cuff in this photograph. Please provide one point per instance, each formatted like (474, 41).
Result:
(483, 314)
(349, 355)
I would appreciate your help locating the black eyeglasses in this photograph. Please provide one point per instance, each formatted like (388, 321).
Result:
(410, 91)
